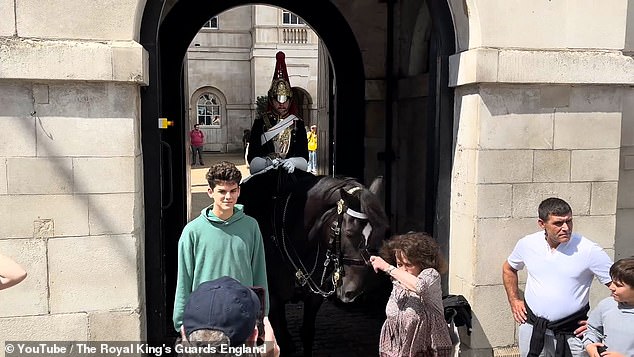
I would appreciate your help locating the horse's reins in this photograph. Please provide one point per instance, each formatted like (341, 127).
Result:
(334, 253)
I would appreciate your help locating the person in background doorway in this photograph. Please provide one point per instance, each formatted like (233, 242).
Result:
(561, 266)
(197, 140)
(415, 322)
(312, 149)
(11, 273)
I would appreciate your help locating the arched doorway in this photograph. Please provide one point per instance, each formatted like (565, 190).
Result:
(166, 33)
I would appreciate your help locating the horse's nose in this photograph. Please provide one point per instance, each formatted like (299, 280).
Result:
(350, 296)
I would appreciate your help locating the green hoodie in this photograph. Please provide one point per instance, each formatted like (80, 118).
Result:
(210, 248)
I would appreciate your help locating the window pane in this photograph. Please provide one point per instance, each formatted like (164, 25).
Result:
(211, 23)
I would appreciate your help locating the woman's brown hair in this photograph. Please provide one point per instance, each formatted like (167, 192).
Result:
(420, 248)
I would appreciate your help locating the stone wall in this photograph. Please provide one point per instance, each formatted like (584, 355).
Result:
(71, 189)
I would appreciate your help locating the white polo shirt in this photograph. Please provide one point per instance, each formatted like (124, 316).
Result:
(558, 282)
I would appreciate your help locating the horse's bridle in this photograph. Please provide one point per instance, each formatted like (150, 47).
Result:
(334, 254)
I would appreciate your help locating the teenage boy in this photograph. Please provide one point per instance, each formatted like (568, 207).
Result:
(611, 323)
(222, 241)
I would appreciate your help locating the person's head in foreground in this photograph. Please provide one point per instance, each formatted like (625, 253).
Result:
(221, 312)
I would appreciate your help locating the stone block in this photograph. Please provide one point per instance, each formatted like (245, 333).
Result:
(587, 130)
(22, 216)
(7, 25)
(40, 175)
(3, 176)
(53, 327)
(40, 93)
(527, 197)
(603, 198)
(624, 239)
(597, 99)
(103, 137)
(104, 175)
(126, 57)
(462, 234)
(516, 131)
(93, 273)
(563, 67)
(111, 213)
(468, 107)
(494, 200)
(114, 326)
(588, 30)
(495, 240)
(505, 166)
(30, 297)
(493, 323)
(473, 66)
(551, 166)
(50, 20)
(555, 96)
(625, 198)
(92, 100)
(17, 136)
(627, 121)
(543, 23)
(464, 199)
(594, 165)
(464, 165)
(628, 162)
(599, 229)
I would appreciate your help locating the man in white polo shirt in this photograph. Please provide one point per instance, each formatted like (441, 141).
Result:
(560, 266)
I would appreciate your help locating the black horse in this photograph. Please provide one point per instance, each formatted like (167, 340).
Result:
(313, 247)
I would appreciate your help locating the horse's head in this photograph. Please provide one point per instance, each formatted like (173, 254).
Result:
(364, 227)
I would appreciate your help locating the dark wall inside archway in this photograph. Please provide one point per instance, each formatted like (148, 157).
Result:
(164, 150)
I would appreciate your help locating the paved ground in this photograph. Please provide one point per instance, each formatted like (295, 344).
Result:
(347, 331)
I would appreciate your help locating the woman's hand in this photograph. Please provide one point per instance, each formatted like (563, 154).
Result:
(379, 264)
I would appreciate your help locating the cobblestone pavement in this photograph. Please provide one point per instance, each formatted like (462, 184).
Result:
(345, 332)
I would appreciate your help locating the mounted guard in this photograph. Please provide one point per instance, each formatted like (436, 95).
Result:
(278, 137)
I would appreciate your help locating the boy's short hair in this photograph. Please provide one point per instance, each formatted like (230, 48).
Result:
(623, 271)
(223, 171)
(553, 206)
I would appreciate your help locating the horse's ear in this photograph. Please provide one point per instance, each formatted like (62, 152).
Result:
(376, 185)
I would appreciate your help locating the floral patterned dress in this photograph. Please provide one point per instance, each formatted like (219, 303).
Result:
(415, 323)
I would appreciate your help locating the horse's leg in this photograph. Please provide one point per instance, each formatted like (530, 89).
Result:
(312, 303)
(277, 317)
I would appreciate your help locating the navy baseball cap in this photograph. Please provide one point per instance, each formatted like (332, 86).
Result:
(223, 304)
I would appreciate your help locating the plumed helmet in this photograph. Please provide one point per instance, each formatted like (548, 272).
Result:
(280, 85)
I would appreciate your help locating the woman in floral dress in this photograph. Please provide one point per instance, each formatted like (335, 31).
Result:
(415, 324)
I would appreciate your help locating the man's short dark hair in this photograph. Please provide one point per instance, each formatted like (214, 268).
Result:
(223, 171)
(623, 271)
(553, 206)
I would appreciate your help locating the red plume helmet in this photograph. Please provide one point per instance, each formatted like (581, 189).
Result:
(280, 85)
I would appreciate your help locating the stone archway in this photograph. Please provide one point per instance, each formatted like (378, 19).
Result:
(166, 33)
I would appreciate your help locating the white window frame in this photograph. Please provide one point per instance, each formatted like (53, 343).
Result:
(209, 24)
(208, 110)
(288, 18)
